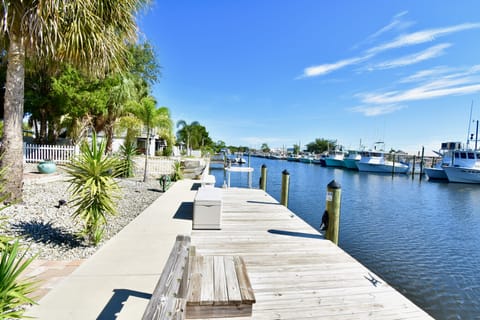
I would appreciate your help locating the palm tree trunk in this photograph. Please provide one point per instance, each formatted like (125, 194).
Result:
(147, 151)
(13, 117)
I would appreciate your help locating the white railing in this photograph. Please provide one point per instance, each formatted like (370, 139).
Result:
(57, 153)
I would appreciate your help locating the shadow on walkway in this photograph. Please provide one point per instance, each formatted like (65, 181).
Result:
(185, 211)
(296, 234)
(115, 304)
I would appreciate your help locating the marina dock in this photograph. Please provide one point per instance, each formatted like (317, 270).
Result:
(294, 272)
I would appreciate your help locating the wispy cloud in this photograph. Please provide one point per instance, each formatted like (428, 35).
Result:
(376, 110)
(427, 54)
(425, 84)
(410, 39)
(422, 37)
(329, 67)
(434, 83)
(396, 24)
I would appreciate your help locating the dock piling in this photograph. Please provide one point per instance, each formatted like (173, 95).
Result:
(263, 178)
(334, 193)
(285, 186)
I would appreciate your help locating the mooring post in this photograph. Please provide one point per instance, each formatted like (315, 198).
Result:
(263, 178)
(413, 167)
(421, 164)
(334, 193)
(393, 166)
(285, 186)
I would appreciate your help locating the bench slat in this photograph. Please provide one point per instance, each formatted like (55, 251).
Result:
(220, 282)
(207, 291)
(163, 301)
(234, 295)
(243, 281)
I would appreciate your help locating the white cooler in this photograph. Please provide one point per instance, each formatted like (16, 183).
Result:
(207, 208)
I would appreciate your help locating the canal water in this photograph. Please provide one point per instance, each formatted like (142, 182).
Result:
(422, 237)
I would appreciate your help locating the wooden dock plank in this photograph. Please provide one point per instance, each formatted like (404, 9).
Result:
(294, 272)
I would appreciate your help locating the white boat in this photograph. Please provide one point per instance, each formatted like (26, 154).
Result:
(335, 159)
(437, 172)
(374, 161)
(465, 167)
(351, 160)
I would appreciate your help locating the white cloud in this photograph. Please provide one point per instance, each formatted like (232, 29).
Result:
(329, 67)
(429, 53)
(376, 110)
(422, 37)
(401, 41)
(396, 24)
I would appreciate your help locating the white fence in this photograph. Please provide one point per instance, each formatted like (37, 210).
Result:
(57, 153)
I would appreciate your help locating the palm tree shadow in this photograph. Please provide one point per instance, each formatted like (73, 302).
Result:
(46, 233)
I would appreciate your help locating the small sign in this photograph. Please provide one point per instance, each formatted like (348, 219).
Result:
(329, 196)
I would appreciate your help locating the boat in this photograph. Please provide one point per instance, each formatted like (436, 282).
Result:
(437, 172)
(352, 159)
(375, 161)
(335, 159)
(306, 158)
(465, 167)
(293, 157)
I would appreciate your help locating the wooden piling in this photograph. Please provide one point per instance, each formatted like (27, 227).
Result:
(334, 193)
(413, 166)
(285, 187)
(393, 167)
(421, 164)
(263, 178)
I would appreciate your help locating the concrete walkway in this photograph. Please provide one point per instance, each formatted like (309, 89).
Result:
(117, 281)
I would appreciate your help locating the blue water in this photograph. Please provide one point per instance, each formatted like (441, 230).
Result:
(422, 237)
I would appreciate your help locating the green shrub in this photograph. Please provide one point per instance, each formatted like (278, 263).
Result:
(127, 152)
(94, 188)
(177, 171)
(14, 292)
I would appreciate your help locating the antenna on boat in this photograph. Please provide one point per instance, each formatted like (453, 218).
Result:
(469, 124)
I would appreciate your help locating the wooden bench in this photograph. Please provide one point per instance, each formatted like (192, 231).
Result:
(219, 287)
(168, 298)
(193, 287)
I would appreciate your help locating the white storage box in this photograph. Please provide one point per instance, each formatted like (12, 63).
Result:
(207, 208)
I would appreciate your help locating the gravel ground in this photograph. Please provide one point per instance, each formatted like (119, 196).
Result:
(49, 229)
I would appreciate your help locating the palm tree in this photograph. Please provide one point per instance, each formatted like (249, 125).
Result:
(91, 34)
(151, 117)
(186, 131)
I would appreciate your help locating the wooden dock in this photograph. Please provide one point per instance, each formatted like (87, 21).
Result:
(296, 273)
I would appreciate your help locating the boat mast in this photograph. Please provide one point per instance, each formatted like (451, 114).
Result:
(469, 124)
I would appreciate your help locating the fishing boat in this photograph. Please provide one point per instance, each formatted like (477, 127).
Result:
(351, 160)
(437, 172)
(375, 161)
(465, 167)
(335, 159)
(306, 158)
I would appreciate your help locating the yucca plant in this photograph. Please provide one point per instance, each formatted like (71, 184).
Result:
(177, 171)
(127, 152)
(94, 189)
(14, 292)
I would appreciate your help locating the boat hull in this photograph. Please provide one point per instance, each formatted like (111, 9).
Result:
(351, 163)
(382, 168)
(334, 163)
(463, 174)
(436, 173)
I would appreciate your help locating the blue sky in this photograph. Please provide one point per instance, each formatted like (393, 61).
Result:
(285, 72)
